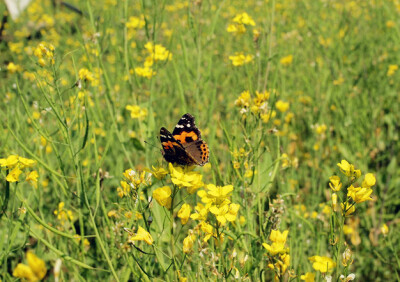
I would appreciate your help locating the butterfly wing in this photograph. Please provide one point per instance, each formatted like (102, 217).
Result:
(173, 151)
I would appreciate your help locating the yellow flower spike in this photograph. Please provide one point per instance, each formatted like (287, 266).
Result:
(308, 277)
(184, 213)
(322, 264)
(335, 183)
(369, 180)
(163, 196)
(142, 235)
(13, 176)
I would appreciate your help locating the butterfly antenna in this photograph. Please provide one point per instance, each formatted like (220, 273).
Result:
(151, 144)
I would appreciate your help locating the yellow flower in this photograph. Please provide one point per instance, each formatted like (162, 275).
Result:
(243, 100)
(136, 111)
(286, 61)
(142, 235)
(359, 194)
(384, 229)
(348, 169)
(188, 242)
(220, 212)
(84, 74)
(163, 196)
(145, 71)
(184, 213)
(157, 52)
(32, 178)
(135, 22)
(34, 271)
(159, 173)
(13, 68)
(392, 69)
(217, 195)
(240, 59)
(349, 209)
(13, 176)
(335, 183)
(278, 240)
(282, 106)
(244, 18)
(322, 264)
(308, 277)
(201, 212)
(24, 162)
(10, 162)
(183, 177)
(236, 28)
(369, 180)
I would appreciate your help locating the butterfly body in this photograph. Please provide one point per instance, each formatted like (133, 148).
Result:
(184, 145)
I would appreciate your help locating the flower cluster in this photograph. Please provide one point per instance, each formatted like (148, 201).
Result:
(155, 53)
(35, 270)
(132, 182)
(239, 23)
(240, 59)
(17, 164)
(136, 111)
(278, 254)
(354, 194)
(63, 214)
(44, 52)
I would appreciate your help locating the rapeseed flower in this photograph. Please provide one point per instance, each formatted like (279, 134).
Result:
(335, 183)
(33, 178)
(348, 169)
(188, 242)
(17, 164)
(359, 194)
(142, 235)
(183, 177)
(163, 196)
(282, 106)
(184, 213)
(240, 59)
(308, 277)
(322, 264)
(136, 111)
(278, 240)
(13, 68)
(35, 270)
(392, 69)
(287, 60)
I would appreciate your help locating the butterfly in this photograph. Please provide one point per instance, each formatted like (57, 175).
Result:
(184, 146)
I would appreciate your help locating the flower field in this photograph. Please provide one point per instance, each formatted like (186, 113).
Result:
(200, 141)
